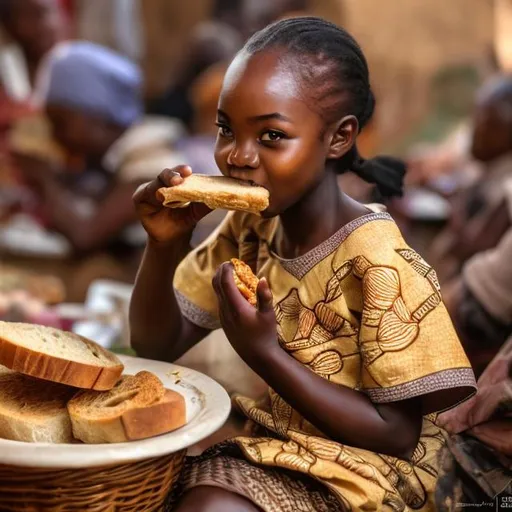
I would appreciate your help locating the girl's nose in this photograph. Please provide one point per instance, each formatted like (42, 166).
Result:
(243, 157)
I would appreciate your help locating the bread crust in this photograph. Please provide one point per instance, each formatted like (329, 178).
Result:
(57, 369)
(156, 419)
(138, 408)
(216, 192)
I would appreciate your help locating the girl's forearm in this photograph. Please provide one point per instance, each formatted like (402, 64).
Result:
(155, 318)
(343, 414)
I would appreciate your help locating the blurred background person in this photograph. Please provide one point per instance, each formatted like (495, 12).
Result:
(115, 24)
(481, 213)
(29, 29)
(480, 302)
(475, 463)
(216, 40)
(92, 98)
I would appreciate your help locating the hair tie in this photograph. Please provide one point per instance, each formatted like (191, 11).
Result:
(386, 172)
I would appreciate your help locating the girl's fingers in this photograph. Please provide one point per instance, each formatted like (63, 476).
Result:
(264, 295)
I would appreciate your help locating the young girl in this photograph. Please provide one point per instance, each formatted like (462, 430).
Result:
(350, 332)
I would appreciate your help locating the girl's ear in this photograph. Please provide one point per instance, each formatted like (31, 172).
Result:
(344, 137)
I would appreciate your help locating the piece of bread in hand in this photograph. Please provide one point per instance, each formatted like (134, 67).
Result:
(245, 280)
(138, 407)
(58, 356)
(34, 411)
(216, 192)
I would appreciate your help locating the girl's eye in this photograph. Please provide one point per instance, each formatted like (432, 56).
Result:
(271, 136)
(225, 131)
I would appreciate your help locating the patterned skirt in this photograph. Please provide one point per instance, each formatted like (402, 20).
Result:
(271, 489)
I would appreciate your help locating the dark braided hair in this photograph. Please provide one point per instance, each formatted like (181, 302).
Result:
(336, 72)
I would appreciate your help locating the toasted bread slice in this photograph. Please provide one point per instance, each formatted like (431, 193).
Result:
(138, 407)
(245, 280)
(216, 192)
(34, 411)
(58, 356)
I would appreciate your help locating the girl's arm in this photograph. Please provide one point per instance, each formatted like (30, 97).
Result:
(343, 414)
(158, 329)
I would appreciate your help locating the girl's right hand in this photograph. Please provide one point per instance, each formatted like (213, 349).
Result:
(165, 225)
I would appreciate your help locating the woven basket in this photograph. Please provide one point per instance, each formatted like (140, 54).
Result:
(136, 487)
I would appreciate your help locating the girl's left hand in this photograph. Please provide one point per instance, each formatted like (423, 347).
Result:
(251, 331)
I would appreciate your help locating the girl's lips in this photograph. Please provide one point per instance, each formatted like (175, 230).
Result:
(252, 183)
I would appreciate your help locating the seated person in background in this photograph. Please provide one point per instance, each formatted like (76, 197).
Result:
(476, 463)
(217, 41)
(481, 213)
(257, 15)
(449, 161)
(480, 303)
(34, 27)
(213, 41)
(28, 31)
(92, 98)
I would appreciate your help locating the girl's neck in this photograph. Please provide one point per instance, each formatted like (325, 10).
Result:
(316, 217)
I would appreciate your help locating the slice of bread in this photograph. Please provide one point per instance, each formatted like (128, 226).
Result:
(138, 407)
(245, 280)
(216, 192)
(58, 356)
(34, 411)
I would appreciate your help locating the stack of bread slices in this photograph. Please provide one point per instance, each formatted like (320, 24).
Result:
(58, 387)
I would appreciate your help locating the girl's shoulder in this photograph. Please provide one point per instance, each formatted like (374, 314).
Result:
(374, 237)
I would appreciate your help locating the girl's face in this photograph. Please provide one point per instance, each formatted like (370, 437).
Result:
(268, 134)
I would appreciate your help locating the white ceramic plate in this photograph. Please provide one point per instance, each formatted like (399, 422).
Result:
(208, 406)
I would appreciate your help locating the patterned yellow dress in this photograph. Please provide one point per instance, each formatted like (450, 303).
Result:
(362, 310)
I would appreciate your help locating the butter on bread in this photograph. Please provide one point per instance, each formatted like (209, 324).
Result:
(245, 280)
(216, 192)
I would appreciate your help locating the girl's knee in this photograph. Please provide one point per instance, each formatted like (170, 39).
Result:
(213, 499)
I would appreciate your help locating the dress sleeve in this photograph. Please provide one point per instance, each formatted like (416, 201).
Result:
(408, 345)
